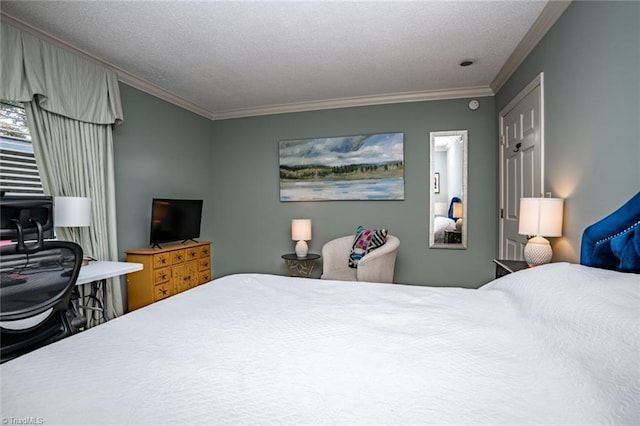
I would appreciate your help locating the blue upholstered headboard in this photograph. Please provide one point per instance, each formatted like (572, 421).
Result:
(614, 242)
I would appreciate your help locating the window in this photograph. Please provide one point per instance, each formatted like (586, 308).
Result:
(18, 169)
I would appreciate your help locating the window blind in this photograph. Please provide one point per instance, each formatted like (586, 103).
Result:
(18, 169)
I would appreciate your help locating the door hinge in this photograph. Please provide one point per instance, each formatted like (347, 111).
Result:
(501, 139)
(501, 213)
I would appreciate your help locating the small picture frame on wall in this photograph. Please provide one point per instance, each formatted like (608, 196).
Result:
(436, 183)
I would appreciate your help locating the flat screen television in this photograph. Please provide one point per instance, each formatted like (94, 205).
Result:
(26, 210)
(174, 220)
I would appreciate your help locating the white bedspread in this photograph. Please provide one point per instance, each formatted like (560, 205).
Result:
(557, 344)
(440, 225)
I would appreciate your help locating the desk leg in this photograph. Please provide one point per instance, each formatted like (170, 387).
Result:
(99, 287)
(105, 311)
(95, 304)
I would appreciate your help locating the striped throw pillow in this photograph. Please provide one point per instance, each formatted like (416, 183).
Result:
(365, 241)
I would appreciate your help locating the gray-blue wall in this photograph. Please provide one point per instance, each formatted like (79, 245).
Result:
(591, 65)
(160, 151)
(252, 227)
(164, 151)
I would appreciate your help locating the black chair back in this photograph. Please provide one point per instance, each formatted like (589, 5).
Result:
(36, 287)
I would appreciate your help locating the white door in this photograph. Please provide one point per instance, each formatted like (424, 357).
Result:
(521, 162)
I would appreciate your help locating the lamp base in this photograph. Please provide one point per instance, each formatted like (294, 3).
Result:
(302, 249)
(537, 251)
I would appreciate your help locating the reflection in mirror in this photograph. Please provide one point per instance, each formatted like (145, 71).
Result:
(448, 201)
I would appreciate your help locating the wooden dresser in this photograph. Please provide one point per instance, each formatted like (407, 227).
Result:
(167, 271)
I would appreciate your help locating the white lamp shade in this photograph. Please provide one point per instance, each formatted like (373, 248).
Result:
(71, 211)
(541, 217)
(457, 210)
(301, 229)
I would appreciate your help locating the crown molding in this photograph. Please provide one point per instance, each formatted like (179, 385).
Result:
(550, 14)
(392, 98)
(123, 76)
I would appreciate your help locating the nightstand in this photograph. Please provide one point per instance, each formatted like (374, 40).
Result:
(453, 237)
(505, 267)
(300, 266)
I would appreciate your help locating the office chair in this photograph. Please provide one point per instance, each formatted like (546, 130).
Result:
(37, 281)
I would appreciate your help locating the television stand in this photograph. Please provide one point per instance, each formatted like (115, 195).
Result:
(167, 271)
(154, 245)
(190, 239)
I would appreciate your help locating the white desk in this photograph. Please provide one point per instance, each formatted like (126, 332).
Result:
(98, 271)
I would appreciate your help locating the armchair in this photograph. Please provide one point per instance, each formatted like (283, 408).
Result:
(376, 266)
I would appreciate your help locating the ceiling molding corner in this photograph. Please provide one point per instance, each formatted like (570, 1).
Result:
(550, 14)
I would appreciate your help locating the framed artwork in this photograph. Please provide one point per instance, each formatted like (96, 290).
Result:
(436, 183)
(360, 167)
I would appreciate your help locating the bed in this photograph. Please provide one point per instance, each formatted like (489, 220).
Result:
(555, 344)
(440, 225)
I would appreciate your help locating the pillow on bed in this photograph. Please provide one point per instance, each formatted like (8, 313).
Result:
(365, 241)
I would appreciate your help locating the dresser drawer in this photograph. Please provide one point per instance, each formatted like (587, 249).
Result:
(161, 275)
(204, 277)
(203, 264)
(192, 253)
(161, 291)
(203, 251)
(177, 256)
(161, 260)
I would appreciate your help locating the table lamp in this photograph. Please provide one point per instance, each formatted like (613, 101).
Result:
(540, 217)
(73, 213)
(457, 213)
(301, 232)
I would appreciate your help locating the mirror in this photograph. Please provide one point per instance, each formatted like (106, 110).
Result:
(448, 200)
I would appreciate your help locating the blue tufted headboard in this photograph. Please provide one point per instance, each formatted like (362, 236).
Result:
(614, 242)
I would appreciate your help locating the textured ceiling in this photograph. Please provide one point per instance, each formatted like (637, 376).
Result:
(225, 56)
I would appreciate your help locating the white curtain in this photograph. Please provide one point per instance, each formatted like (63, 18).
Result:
(76, 159)
(71, 104)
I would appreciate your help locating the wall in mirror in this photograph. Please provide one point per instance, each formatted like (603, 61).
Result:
(448, 200)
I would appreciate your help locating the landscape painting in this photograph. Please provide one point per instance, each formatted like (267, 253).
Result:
(361, 167)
